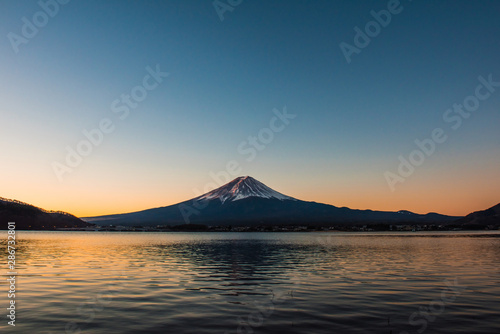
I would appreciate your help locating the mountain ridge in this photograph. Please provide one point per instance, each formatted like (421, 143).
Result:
(246, 201)
(490, 216)
(30, 217)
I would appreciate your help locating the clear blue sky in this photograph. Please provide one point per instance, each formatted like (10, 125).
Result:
(225, 77)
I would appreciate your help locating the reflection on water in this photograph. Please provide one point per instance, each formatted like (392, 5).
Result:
(75, 282)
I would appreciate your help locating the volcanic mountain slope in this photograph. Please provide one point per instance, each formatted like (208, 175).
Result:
(29, 217)
(243, 187)
(246, 201)
(489, 216)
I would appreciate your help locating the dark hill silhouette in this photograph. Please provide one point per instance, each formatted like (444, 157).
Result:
(489, 216)
(30, 217)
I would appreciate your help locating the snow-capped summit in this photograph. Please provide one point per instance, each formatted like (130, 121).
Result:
(243, 187)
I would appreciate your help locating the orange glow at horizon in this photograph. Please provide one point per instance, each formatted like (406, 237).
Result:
(441, 194)
(444, 185)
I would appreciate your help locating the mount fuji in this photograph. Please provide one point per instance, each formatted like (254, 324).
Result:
(246, 201)
(243, 187)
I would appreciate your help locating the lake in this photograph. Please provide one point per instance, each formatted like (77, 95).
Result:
(400, 283)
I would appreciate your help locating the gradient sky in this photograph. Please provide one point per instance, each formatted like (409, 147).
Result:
(225, 78)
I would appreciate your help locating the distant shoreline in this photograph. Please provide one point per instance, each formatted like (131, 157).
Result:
(257, 230)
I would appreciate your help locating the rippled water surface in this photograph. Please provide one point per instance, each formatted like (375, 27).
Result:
(78, 282)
